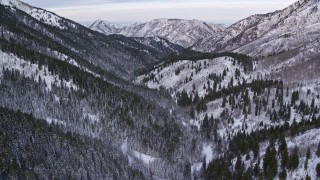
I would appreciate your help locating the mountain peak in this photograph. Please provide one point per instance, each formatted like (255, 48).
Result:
(42, 15)
(16, 4)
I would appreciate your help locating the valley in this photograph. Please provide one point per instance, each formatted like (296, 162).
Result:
(164, 99)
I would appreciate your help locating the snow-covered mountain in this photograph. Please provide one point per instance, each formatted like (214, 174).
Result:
(57, 36)
(268, 34)
(42, 15)
(291, 28)
(178, 31)
(284, 41)
(106, 27)
(159, 44)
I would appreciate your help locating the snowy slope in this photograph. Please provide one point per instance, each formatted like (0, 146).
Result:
(230, 121)
(44, 16)
(263, 35)
(14, 63)
(287, 41)
(290, 28)
(160, 44)
(178, 31)
(309, 139)
(194, 78)
(106, 27)
(197, 74)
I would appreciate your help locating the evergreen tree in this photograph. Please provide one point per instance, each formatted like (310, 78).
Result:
(177, 71)
(238, 167)
(205, 122)
(318, 150)
(224, 101)
(187, 170)
(255, 146)
(184, 99)
(270, 164)
(224, 73)
(308, 177)
(256, 169)
(294, 97)
(283, 174)
(283, 151)
(308, 156)
(293, 161)
(318, 170)
(312, 103)
(196, 98)
(249, 108)
(192, 113)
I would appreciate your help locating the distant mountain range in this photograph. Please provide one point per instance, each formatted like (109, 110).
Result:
(294, 30)
(178, 31)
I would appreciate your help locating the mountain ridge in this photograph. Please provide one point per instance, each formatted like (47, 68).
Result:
(112, 48)
(179, 31)
(255, 27)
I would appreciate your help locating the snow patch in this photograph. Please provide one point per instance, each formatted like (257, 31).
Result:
(92, 117)
(56, 121)
(196, 167)
(132, 154)
(144, 157)
(207, 152)
(26, 68)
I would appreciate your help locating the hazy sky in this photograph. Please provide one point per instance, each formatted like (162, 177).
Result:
(127, 11)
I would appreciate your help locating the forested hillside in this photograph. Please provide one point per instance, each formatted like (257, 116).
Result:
(34, 149)
(79, 104)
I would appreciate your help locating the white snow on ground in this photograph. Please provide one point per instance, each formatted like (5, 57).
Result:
(184, 124)
(39, 14)
(66, 58)
(301, 173)
(47, 17)
(263, 35)
(196, 167)
(167, 78)
(10, 61)
(252, 122)
(92, 117)
(56, 121)
(144, 158)
(125, 151)
(132, 154)
(310, 139)
(207, 153)
(196, 123)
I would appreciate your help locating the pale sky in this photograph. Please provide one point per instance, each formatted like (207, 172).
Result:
(129, 11)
